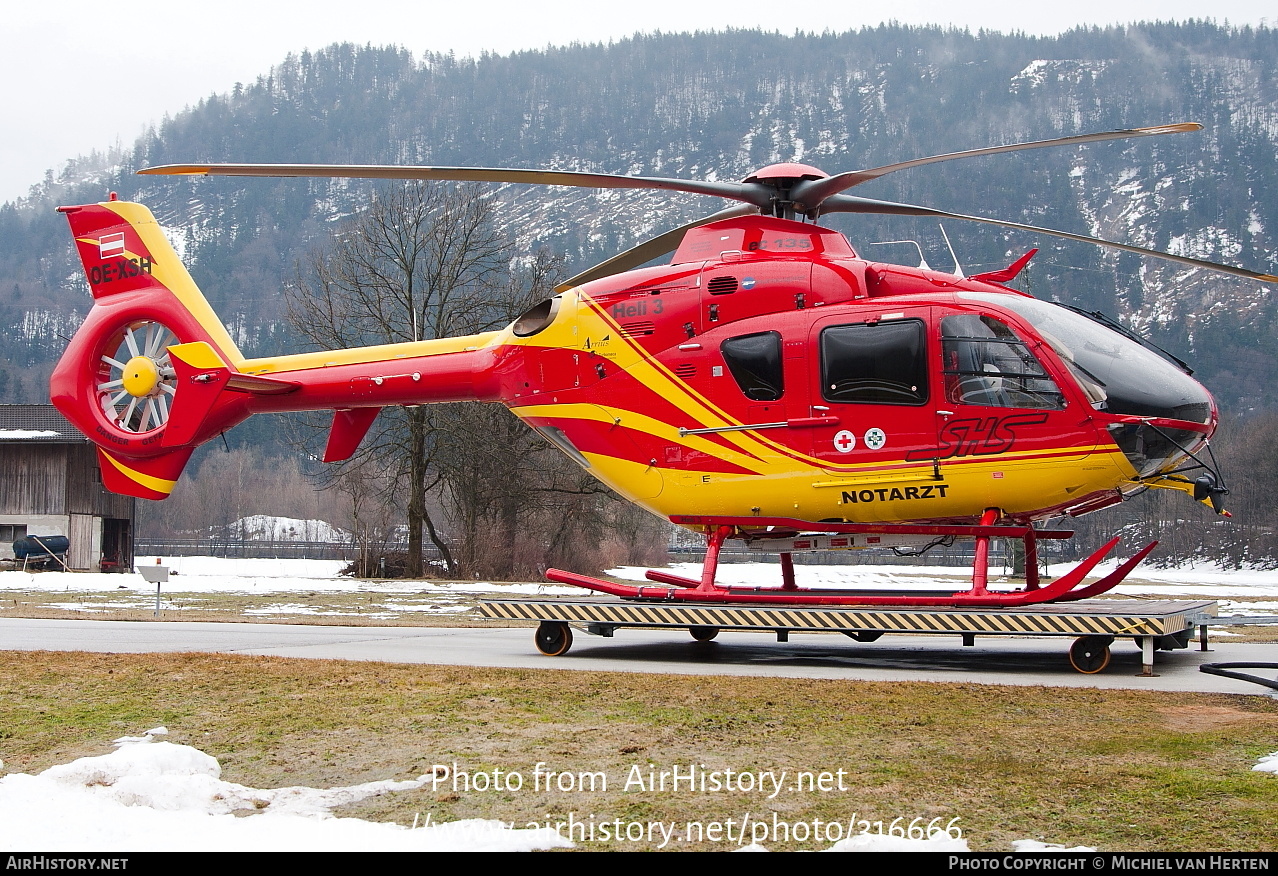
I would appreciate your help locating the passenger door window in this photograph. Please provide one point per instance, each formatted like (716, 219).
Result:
(755, 363)
(875, 363)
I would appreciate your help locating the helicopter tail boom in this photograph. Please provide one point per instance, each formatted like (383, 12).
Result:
(152, 372)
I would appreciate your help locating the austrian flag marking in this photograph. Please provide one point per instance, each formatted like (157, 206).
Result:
(111, 246)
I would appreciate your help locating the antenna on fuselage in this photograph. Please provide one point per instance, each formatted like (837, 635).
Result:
(958, 269)
(922, 261)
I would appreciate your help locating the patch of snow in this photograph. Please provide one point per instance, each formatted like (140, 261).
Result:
(161, 796)
(1071, 72)
(262, 527)
(1249, 608)
(430, 609)
(285, 608)
(148, 736)
(177, 240)
(10, 434)
(1029, 845)
(96, 607)
(1034, 73)
(873, 842)
(219, 567)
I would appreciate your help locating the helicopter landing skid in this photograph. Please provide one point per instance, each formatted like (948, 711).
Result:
(1064, 589)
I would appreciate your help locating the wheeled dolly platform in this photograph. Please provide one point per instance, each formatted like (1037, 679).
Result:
(1154, 625)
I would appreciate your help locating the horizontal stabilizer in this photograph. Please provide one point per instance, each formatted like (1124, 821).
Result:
(201, 377)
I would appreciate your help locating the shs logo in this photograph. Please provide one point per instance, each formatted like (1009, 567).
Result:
(978, 436)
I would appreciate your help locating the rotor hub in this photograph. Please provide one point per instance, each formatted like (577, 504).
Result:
(773, 184)
(141, 377)
(787, 171)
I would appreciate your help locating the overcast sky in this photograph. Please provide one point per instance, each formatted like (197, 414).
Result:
(82, 77)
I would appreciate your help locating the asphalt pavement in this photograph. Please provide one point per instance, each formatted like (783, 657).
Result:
(992, 660)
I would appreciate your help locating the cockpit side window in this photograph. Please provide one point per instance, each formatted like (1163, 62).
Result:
(987, 364)
(755, 363)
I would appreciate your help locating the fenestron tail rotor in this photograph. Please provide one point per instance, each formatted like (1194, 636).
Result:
(135, 379)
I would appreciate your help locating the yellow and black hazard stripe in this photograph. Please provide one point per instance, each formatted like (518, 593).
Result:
(1115, 619)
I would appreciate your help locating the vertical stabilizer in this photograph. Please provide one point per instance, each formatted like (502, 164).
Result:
(118, 380)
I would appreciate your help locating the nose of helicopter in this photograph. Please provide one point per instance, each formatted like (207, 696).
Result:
(1156, 412)
(1163, 423)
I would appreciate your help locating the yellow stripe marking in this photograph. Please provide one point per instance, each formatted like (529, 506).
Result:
(167, 269)
(198, 355)
(160, 485)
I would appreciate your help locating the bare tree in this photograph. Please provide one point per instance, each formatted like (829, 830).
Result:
(424, 261)
(370, 518)
(509, 494)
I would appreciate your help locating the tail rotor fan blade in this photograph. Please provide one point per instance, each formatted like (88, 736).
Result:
(151, 406)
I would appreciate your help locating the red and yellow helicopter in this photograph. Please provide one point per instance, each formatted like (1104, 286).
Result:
(768, 384)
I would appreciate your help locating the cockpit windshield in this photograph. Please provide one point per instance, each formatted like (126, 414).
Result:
(1119, 375)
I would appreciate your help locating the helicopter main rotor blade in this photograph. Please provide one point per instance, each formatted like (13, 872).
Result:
(851, 204)
(750, 193)
(809, 195)
(649, 249)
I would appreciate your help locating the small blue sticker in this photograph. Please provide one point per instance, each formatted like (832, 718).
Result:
(747, 283)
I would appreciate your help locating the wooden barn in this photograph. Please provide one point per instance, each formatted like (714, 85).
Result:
(50, 485)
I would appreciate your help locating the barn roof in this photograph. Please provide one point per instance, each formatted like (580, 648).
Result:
(38, 423)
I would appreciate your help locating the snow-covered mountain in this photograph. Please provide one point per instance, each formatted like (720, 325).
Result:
(719, 106)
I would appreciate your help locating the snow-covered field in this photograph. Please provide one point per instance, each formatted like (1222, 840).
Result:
(275, 588)
(212, 574)
(229, 575)
(288, 587)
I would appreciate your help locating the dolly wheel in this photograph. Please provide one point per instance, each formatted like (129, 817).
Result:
(703, 634)
(553, 638)
(1090, 654)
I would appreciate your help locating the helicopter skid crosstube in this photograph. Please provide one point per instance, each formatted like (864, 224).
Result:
(687, 590)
